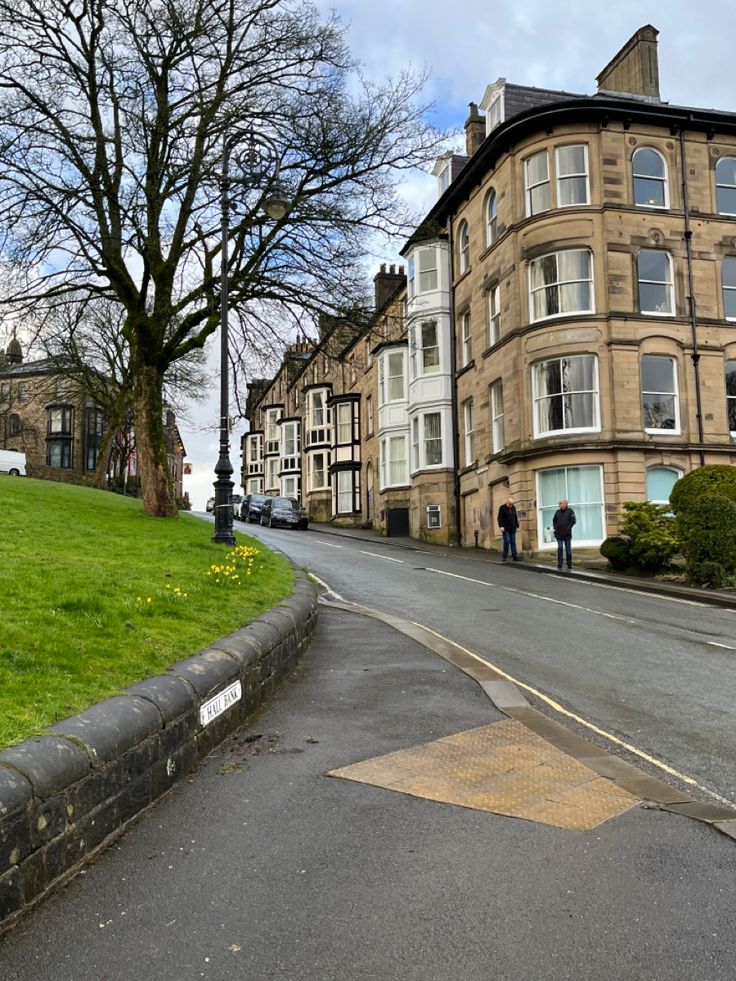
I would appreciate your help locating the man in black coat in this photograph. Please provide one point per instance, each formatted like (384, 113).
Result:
(508, 522)
(562, 523)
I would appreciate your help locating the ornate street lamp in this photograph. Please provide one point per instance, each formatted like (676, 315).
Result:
(257, 157)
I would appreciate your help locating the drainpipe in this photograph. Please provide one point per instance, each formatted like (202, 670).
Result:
(691, 290)
(453, 389)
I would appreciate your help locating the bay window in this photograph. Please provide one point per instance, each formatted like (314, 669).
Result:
(728, 287)
(433, 439)
(344, 491)
(536, 183)
(656, 295)
(659, 394)
(344, 422)
(565, 392)
(430, 360)
(582, 488)
(572, 175)
(393, 461)
(726, 186)
(650, 178)
(561, 283)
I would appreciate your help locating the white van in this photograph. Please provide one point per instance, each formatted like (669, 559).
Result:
(13, 463)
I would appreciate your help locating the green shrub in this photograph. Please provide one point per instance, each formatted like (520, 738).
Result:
(617, 549)
(652, 534)
(708, 534)
(715, 478)
(707, 574)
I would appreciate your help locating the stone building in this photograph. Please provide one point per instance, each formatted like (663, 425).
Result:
(567, 326)
(45, 413)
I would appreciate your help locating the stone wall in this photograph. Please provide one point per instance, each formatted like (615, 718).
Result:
(65, 795)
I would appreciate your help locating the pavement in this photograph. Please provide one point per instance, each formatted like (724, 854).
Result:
(274, 862)
(592, 573)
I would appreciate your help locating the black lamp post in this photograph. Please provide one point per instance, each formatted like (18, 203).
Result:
(257, 156)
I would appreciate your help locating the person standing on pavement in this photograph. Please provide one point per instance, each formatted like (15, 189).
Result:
(508, 522)
(562, 524)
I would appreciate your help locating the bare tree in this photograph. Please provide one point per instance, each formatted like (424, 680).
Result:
(113, 115)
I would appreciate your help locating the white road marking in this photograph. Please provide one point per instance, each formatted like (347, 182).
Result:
(386, 558)
(524, 592)
(318, 541)
(727, 647)
(583, 722)
(641, 592)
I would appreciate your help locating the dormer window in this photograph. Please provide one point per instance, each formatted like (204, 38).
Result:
(443, 179)
(495, 113)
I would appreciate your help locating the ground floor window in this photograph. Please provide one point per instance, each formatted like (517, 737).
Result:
(393, 461)
(660, 481)
(290, 487)
(582, 488)
(344, 491)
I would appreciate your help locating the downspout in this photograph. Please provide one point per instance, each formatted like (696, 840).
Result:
(453, 389)
(693, 315)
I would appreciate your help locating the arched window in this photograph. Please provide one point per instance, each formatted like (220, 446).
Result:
(660, 481)
(464, 242)
(726, 186)
(650, 179)
(491, 218)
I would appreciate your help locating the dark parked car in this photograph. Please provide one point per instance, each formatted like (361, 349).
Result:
(284, 511)
(250, 509)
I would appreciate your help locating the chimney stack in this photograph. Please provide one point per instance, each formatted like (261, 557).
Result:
(387, 283)
(475, 130)
(635, 69)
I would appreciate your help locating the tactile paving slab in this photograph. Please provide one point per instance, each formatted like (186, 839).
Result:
(504, 768)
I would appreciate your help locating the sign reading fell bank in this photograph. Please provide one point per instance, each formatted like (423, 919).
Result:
(209, 711)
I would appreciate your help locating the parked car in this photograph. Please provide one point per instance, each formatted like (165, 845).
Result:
(13, 463)
(210, 504)
(284, 511)
(250, 509)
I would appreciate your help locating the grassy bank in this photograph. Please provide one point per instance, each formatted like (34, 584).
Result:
(95, 595)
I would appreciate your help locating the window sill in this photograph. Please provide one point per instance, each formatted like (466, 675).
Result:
(567, 432)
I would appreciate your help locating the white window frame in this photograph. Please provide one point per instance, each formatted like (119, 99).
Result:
(673, 394)
(497, 428)
(491, 213)
(428, 270)
(728, 261)
(659, 466)
(344, 477)
(292, 481)
(538, 399)
(667, 283)
(272, 473)
(427, 365)
(463, 241)
(343, 422)
(369, 415)
(415, 457)
(411, 281)
(271, 434)
(494, 314)
(389, 463)
(550, 543)
(467, 339)
(495, 113)
(289, 435)
(314, 471)
(560, 283)
(664, 180)
(468, 431)
(316, 421)
(730, 187)
(426, 440)
(390, 360)
(531, 186)
(573, 175)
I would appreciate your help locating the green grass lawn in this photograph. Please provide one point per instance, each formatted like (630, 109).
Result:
(95, 595)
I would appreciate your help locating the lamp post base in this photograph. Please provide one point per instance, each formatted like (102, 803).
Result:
(223, 503)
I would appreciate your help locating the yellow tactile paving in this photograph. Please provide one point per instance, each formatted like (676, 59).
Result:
(504, 768)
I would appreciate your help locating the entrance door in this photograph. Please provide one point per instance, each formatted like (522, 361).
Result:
(398, 522)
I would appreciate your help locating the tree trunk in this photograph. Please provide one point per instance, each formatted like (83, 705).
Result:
(103, 460)
(156, 487)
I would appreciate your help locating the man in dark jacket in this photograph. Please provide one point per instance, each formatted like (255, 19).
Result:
(508, 522)
(562, 523)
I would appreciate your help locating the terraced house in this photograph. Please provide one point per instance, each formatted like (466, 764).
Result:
(569, 325)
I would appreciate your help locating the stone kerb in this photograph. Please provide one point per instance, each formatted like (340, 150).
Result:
(66, 795)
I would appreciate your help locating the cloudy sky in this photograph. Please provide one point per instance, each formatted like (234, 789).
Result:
(466, 44)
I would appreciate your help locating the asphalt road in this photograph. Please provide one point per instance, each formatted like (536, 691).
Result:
(262, 867)
(658, 673)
